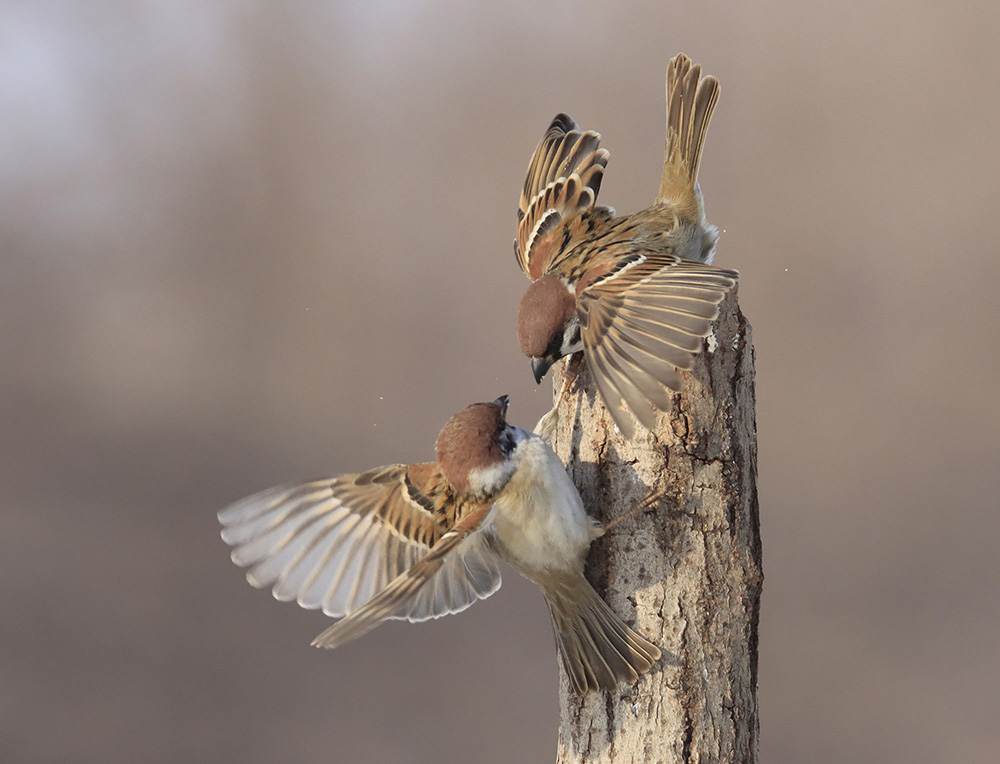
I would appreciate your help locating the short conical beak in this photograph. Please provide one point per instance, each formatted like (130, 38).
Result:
(540, 366)
(502, 402)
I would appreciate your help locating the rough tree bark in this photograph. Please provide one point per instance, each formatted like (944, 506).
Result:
(687, 572)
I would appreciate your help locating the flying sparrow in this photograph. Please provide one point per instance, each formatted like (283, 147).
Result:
(420, 541)
(634, 293)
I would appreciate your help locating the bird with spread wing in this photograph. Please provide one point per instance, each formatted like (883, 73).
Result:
(635, 294)
(420, 541)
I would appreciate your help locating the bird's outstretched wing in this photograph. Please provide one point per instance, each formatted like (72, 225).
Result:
(563, 180)
(337, 543)
(406, 588)
(641, 321)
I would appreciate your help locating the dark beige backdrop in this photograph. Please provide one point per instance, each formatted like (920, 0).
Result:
(246, 243)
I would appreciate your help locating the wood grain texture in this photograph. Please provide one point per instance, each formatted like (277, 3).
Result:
(687, 573)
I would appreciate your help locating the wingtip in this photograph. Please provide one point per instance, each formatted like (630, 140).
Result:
(564, 122)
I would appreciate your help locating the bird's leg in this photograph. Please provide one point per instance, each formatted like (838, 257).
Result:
(546, 426)
(570, 373)
(647, 502)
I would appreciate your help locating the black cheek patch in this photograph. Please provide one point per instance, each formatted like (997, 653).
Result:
(554, 350)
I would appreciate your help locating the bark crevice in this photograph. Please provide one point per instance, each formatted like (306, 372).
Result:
(686, 572)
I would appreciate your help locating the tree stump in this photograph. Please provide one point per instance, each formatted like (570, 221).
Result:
(686, 573)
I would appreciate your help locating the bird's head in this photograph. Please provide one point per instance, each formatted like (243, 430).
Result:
(475, 448)
(548, 326)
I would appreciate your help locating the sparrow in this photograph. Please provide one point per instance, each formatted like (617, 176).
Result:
(634, 293)
(421, 541)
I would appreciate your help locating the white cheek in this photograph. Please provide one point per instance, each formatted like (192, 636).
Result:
(487, 480)
(571, 341)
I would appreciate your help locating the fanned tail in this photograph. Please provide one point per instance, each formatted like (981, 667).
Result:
(691, 99)
(595, 646)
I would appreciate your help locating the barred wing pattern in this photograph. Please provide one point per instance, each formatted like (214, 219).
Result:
(641, 322)
(563, 180)
(405, 586)
(336, 543)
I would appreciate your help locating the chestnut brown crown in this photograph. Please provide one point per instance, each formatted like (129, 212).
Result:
(473, 440)
(545, 309)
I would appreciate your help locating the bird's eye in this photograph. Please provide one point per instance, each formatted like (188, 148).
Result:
(554, 350)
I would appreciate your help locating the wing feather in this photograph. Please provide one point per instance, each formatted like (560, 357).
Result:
(644, 320)
(399, 596)
(610, 394)
(563, 180)
(633, 384)
(337, 543)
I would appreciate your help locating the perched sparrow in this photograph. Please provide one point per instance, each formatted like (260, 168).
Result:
(633, 293)
(421, 541)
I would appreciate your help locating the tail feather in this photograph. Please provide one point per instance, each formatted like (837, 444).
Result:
(691, 100)
(595, 646)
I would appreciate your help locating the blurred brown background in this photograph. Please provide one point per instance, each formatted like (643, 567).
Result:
(247, 243)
